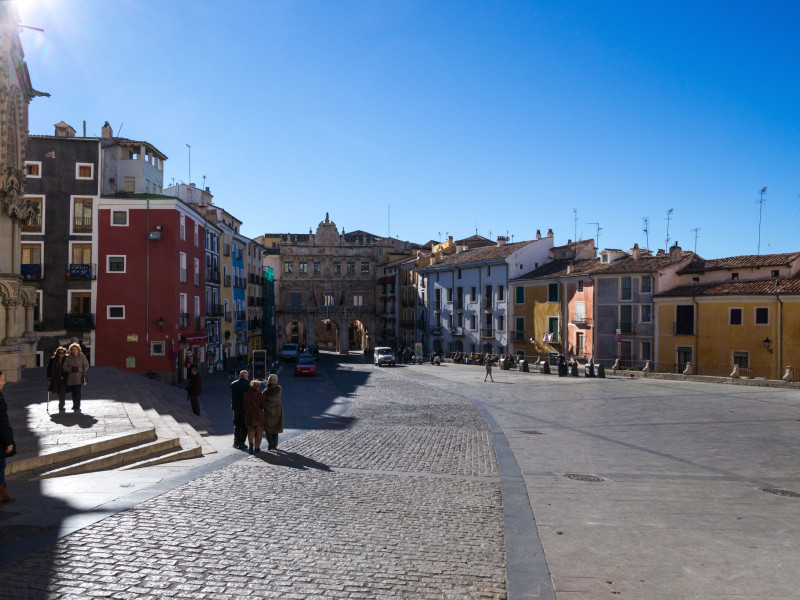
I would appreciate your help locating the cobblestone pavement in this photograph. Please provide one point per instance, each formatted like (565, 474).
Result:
(400, 498)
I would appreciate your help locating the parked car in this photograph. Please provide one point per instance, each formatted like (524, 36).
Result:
(306, 365)
(384, 356)
(290, 352)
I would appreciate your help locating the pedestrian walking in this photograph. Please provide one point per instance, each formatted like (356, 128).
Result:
(57, 383)
(195, 388)
(238, 389)
(273, 412)
(74, 369)
(7, 446)
(254, 416)
(488, 369)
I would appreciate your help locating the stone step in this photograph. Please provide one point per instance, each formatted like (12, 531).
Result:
(181, 454)
(50, 458)
(116, 459)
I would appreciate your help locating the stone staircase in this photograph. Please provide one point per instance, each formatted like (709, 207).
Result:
(128, 422)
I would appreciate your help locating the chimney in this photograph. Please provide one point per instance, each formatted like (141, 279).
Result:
(660, 252)
(549, 233)
(450, 238)
(538, 234)
(501, 240)
(675, 252)
(635, 252)
(107, 132)
(569, 267)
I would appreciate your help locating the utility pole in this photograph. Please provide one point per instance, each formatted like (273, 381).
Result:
(669, 216)
(760, 204)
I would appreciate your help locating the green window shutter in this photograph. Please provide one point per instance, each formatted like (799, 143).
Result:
(520, 295)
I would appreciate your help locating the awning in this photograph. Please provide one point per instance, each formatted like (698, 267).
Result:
(194, 339)
(385, 280)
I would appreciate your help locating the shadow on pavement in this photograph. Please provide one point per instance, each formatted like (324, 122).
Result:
(279, 458)
(70, 419)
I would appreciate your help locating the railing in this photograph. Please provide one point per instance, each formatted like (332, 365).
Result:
(81, 271)
(323, 311)
(213, 310)
(241, 315)
(625, 327)
(581, 320)
(31, 272)
(227, 281)
(212, 275)
(35, 226)
(184, 319)
(82, 224)
(183, 275)
(519, 336)
(683, 328)
(487, 303)
(228, 317)
(487, 332)
(73, 321)
(199, 322)
(197, 278)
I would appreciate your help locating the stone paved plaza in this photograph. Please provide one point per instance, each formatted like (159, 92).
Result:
(427, 486)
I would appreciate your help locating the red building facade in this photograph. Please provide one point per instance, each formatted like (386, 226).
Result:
(150, 285)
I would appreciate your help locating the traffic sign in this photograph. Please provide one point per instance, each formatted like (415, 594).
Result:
(618, 337)
(173, 356)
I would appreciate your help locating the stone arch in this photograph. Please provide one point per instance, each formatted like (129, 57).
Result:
(327, 333)
(295, 331)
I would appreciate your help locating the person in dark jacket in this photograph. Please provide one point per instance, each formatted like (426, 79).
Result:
(55, 376)
(254, 416)
(7, 446)
(74, 369)
(195, 388)
(238, 388)
(273, 412)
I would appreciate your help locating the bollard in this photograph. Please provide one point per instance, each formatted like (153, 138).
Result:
(523, 365)
(787, 376)
(544, 368)
(573, 369)
(735, 373)
(589, 370)
(688, 370)
(615, 367)
(601, 371)
(647, 367)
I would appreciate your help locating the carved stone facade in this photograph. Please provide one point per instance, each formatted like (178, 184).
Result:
(17, 301)
(327, 292)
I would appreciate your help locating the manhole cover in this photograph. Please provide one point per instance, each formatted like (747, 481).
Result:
(582, 477)
(531, 432)
(16, 533)
(780, 492)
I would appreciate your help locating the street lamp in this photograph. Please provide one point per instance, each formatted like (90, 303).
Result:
(767, 343)
(160, 323)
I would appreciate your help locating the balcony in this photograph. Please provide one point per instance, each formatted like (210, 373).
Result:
(456, 331)
(199, 322)
(626, 327)
(487, 333)
(254, 324)
(82, 321)
(197, 278)
(683, 328)
(81, 271)
(183, 275)
(519, 336)
(580, 320)
(212, 275)
(226, 281)
(487, 303)
(31, 272)
(35, 226)
(184, 320)
(241, 315)
(82, 224)
(213, 310)
(228, 317)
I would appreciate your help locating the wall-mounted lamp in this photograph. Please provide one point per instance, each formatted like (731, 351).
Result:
(767, 344)
(160, 323)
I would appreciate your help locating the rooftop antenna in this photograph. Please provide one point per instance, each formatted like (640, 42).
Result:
(575, 218)
(669, 216)
(120, 128)
(597, 243)
(696, 229)
(760, 204)
(646, 232)
(190, 162)
(389, 217)
(204, 182)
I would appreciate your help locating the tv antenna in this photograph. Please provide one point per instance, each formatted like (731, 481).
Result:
(669, 216)
(575, 218)
(599, 229)
(760, 204)
(696, 229)
(646, 232)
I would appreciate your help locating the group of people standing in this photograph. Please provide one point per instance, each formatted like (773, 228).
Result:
(66, 372)
(256, 412)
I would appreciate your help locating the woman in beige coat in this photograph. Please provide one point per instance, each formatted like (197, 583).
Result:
(74, 368)
(273, 412)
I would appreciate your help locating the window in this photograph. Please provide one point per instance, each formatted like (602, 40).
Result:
(449, 294)
(337, 268)
(742, 359)
(119, 218)
(552, 329)
(365, 268)
(735, 316)
(82, 215)
(287, 267)
(358, 299)
(625, 288)
(500, 293)
(552, 292)
(684, 319)
(183, 273)
(450, 321)
(520, 329)
(115, 312)
(183, 227)
(31, 266)
(351, 268)
(735, 276)
(157, 348)
(196, 235)
(458, 273)
(488, 270)
(460, 298)
(294, 300)
(762, 315)
(197, 271)
(316, 268)
(33, 169)
(520, 295)
(647, 284)
(580, 312)
(303, 268)
(129, 185)
(647, 351)
(625, 318)
(580, 286)
(36, 224)
(115, 264)
(501, 323)
(580, 342)
(473, 322)
(646, 313)
(81, 254)
(473, 293)
(775, 273)
(84, 171)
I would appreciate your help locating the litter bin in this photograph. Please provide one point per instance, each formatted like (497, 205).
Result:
(523, 365)
(545, 367)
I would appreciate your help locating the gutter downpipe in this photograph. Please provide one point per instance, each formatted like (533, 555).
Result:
(696, 332)
(780, 333)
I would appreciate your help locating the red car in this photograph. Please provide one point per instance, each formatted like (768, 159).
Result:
(305, 366)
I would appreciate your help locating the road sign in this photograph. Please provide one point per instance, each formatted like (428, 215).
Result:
(618, 337)
(173, 356)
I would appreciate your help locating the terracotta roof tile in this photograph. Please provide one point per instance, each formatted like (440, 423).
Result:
(482, 253)
(741, 262)
(741, 288)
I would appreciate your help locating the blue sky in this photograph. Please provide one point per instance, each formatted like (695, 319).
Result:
(423, 119)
